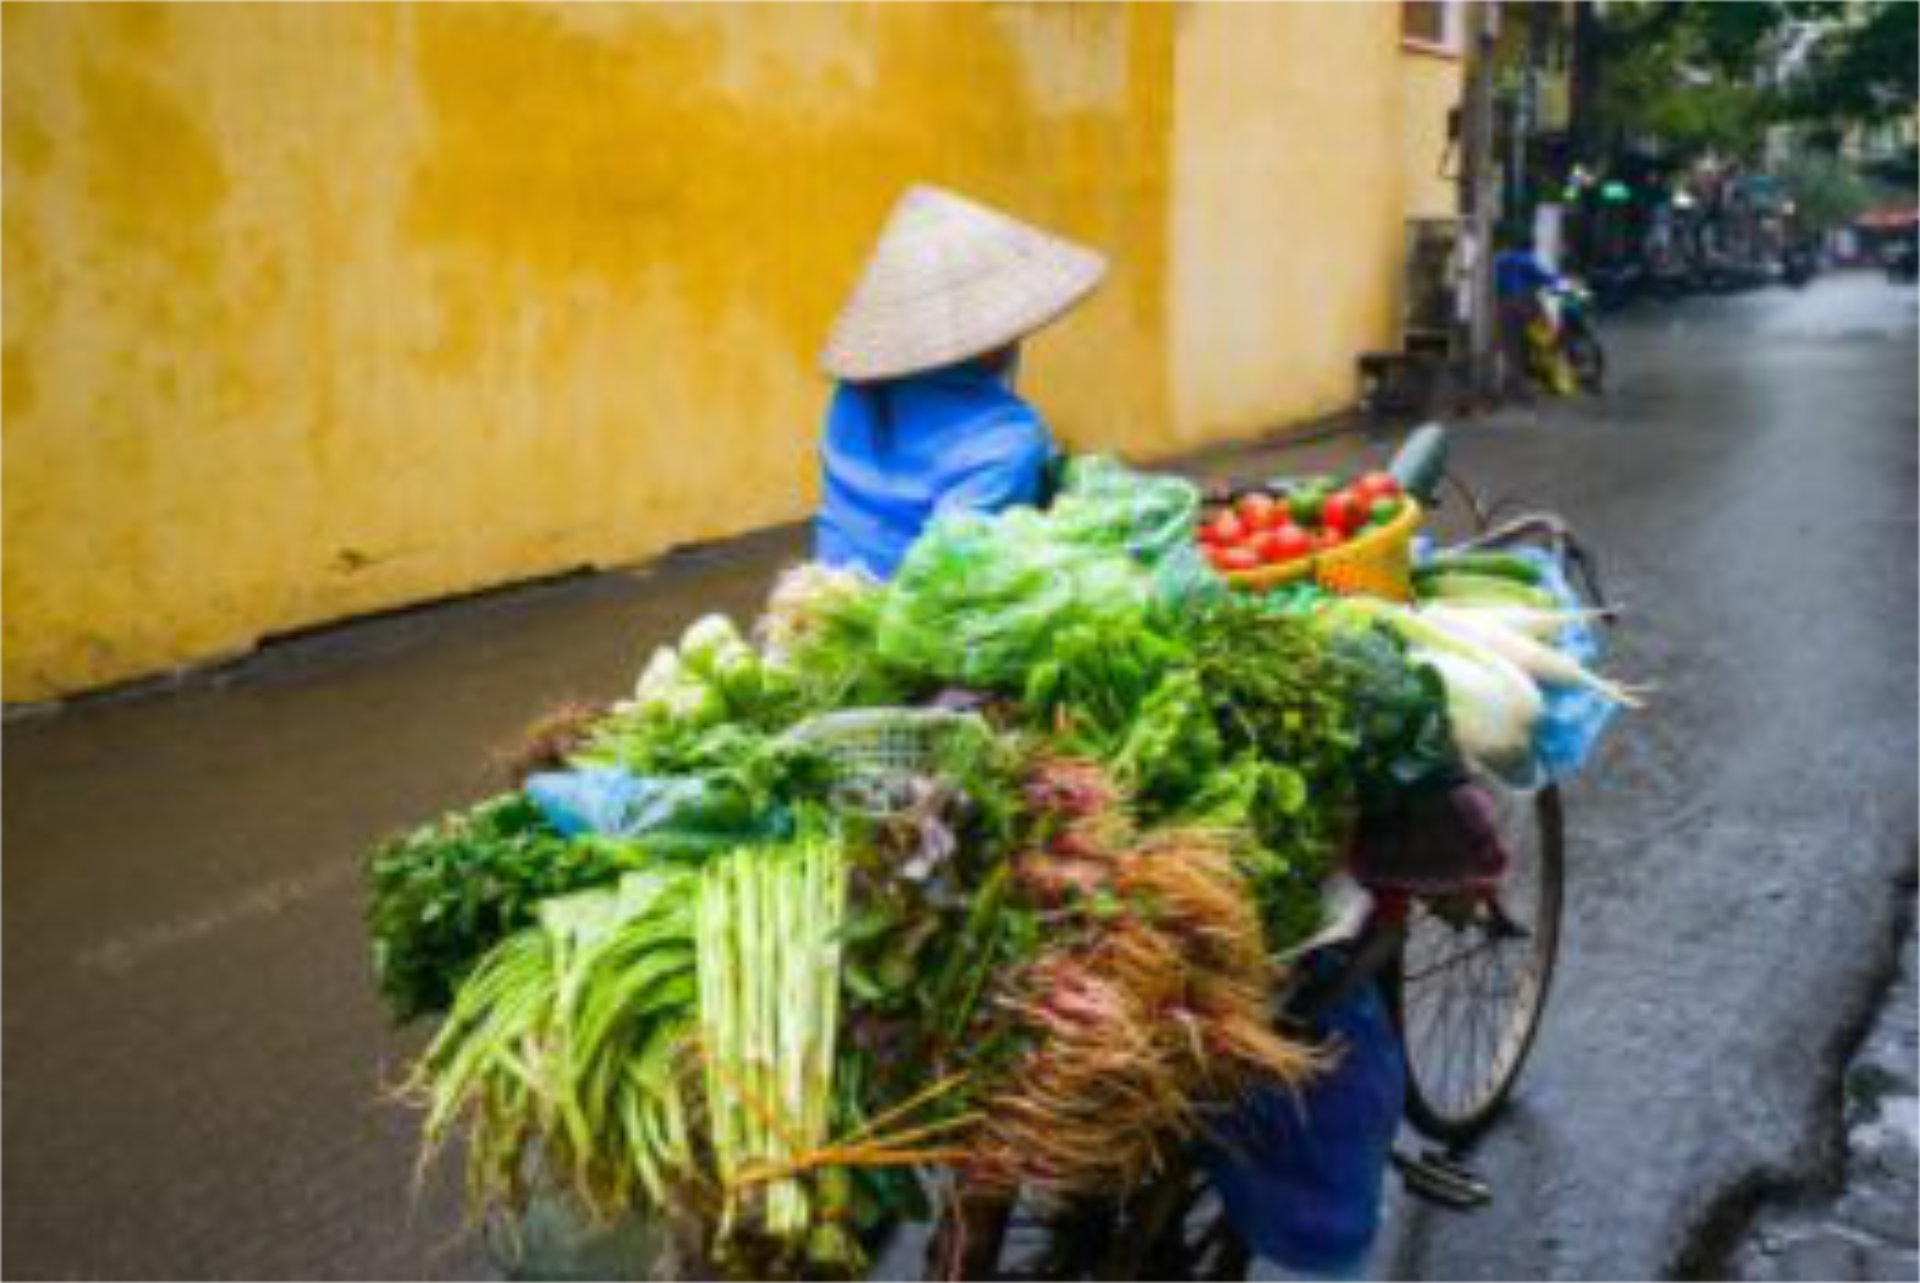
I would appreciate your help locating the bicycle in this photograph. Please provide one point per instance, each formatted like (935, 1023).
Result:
(1465, 974)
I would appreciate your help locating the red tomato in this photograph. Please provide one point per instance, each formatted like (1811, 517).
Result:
(1241, 558)
(1257, 511)
(1228, 529)
(1378, 485)
(1326, 539)
(1339, 513)
(1290, 543)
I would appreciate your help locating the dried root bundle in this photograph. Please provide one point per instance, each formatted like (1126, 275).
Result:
(550, 740)
(1154, 1009)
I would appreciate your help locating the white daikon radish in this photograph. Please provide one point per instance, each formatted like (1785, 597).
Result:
(1543, 625)
(1492, 718)
(1535, 658)
(1428, 634)
(1492, 705)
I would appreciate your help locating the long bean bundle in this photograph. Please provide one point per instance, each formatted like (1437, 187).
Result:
(769, 922)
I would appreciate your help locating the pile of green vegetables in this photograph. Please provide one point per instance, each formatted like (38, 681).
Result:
(762, 1008)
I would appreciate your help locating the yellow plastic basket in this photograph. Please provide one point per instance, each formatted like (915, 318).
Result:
(1379, 564)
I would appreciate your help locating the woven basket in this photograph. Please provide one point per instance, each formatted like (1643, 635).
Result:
(1378, 564)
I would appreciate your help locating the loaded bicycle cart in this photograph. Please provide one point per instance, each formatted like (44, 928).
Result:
(1098, 891)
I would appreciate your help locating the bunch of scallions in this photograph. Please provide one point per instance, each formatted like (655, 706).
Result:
(565, 1049)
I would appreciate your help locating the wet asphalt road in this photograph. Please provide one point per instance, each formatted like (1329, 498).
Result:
(1736, 851)
(194, 1062)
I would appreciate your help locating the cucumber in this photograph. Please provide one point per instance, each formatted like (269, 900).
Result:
(1497, 564)
(1464, 586)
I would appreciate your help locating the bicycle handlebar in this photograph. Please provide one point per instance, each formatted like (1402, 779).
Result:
(1421, 463)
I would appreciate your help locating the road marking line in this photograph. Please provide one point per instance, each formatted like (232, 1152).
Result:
(119, 955)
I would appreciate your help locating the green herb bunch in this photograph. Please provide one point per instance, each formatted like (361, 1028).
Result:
(443, 895)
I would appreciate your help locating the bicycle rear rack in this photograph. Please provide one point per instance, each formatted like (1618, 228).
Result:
(1561, 539)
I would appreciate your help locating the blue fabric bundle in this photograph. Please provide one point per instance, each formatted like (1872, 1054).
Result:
(1301, 1176)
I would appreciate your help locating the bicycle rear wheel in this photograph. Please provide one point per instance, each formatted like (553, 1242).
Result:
(1473, 977)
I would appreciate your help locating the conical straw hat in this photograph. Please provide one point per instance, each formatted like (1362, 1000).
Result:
(949, 280)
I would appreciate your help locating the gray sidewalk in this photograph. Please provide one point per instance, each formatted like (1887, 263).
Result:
(1865, 1229)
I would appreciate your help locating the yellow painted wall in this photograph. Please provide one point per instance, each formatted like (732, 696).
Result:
(317, 309)
(1432, 84)
(1287, 209)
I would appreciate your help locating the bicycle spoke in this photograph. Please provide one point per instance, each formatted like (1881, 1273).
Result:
(1450, 1008)
(1493, 1020)
(1469, 1039)
(1464, 956)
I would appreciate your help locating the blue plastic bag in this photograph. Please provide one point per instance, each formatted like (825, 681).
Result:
(671, 814)
(1150, 516)
(1575, 715)
(1301, 1175)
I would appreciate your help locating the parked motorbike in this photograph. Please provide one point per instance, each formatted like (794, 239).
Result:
(1902, 262)
(1569, 343)
(1797, 267)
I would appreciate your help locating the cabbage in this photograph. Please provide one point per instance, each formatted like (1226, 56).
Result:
(709, 643)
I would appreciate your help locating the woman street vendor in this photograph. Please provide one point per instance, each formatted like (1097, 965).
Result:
(925, 418)
(924, 421)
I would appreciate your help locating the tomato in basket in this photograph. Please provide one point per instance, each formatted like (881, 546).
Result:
(1340, 512)
(1239, 557)
(1258, 512)
(1377, 486)
(1290, 543)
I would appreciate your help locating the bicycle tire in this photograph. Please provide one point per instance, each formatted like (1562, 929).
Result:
(1459, 1120)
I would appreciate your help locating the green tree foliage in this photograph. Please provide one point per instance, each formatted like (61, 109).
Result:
(1864, 69)
(1696, 76)
(1825, 190)
(1681, 76)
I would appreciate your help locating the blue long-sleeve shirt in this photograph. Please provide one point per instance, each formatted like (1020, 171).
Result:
(897, 453)
(1519, 274)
